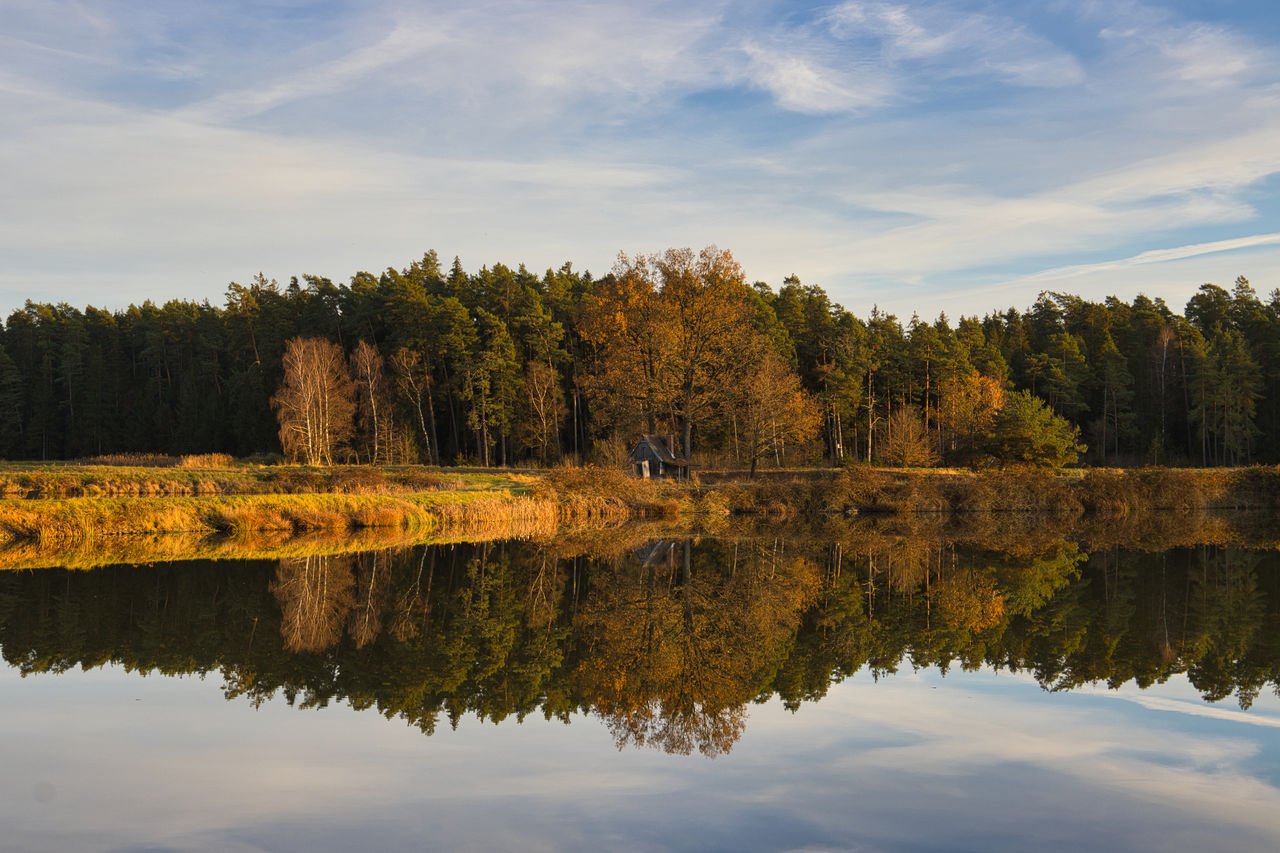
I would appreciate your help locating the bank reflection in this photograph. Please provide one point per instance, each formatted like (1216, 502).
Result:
(668, 641)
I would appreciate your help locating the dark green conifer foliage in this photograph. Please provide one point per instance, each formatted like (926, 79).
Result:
(1027, 431)
(1144, 383)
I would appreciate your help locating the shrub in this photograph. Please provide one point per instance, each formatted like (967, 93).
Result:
(856, 489)
(1106, 491)
(1031, 489)
(265, 459)
(293, 481)
(590, 481)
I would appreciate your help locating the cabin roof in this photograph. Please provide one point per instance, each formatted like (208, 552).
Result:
(657, 445)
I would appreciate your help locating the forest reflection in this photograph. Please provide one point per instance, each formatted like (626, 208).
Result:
(667, 641)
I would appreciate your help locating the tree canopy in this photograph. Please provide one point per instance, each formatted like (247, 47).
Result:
(502, 366)
(1027, 431)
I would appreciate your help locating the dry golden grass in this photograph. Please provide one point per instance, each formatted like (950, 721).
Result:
(169, 547)
(136, 460)
(69, 520)
(1010, 507)
(205, 460)
(208, 475)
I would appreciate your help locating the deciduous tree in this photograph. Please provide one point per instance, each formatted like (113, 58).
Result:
(908, 445)
(967, 408)
(371, 400)
(771, 410)
(541, 409)
(316, 401)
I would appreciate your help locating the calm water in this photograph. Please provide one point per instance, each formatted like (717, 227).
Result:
(875, 694)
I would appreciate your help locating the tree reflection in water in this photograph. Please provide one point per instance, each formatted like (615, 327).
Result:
(315, 595)
(667, 641)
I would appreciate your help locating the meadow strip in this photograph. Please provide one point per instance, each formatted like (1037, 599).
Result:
(77, 519)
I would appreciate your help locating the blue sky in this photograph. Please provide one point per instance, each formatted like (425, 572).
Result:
(952, 156)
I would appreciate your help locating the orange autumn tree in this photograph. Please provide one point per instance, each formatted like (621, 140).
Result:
(629, 341)
(967, 409)
(771, 410)
(674, 343)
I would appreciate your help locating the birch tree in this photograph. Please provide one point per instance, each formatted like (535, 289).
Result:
(315, 402)
(371, 403)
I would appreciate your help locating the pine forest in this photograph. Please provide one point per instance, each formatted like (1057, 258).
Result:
(505, 367)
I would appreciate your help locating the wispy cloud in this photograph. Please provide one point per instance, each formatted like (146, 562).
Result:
(961, 43)
(1154, 256)
(803, 84)
(907, 148)
(1195, 709)
(1181, 51)
(400, 45)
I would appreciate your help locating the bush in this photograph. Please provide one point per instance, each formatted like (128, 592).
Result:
(1256, 486)
(1031, 489)
(265, 459)
(1106, 491)
(293, 481)
(857, 489)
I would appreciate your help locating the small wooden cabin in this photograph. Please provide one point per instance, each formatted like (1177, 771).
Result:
(656, 456)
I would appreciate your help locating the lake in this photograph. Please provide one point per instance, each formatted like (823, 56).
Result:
(875, 691)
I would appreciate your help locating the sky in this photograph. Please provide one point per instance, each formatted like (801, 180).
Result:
(919, 157)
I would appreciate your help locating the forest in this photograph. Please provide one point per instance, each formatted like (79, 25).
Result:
(506, 367)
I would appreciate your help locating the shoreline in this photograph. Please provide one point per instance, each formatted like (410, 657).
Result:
(99, 503)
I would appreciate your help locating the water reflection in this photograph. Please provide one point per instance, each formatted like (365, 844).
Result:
(667, 641)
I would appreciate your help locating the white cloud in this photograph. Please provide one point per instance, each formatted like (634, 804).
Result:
(135, 762)
(1196, 709)
(968, 44)
(1180, 51)
(945, 228)
(516, 64)
(1155, 256)
(546, 132)
(804, 85)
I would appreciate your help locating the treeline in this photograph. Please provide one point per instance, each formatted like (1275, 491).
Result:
(504, 366)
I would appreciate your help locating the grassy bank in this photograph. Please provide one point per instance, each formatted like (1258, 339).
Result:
(223, 510)
(73, 480)
(1099, 492)
(59, 505)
